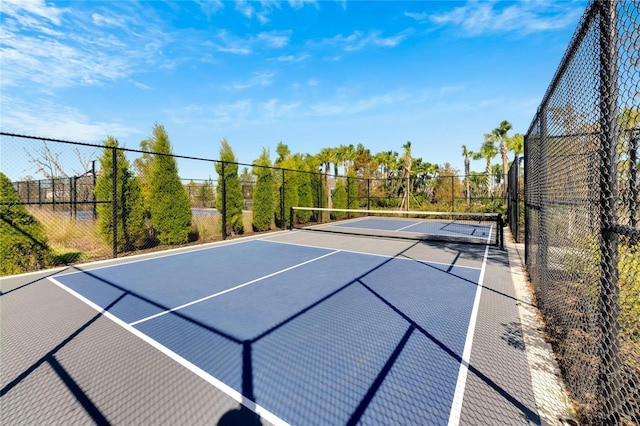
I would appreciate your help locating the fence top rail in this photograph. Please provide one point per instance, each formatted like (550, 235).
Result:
(140, 151)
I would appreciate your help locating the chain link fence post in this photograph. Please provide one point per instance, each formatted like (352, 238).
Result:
(609, 377)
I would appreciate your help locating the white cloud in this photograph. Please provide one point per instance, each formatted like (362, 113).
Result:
(420, 17)
(205, 116)
(55, 48)
(230, 43)
(245, 8)
(34, 9)
(276, 39)
(210, 7)
(292, 58)
(347, 104)
(299, 4)
(477, 18)
(44, 117)
(260, 79)
(358, 40)
(273, 108)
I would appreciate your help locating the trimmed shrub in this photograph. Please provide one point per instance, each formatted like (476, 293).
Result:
(352, 190)
(263, 200)
(305, 193)
(131, 227)
(23, 244)
(169, 202)
(340, 199)
(234, 200)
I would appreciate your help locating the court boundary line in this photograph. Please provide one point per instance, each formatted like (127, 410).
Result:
(458, 396)
(372, 254)
(239, 286)
(218, 384)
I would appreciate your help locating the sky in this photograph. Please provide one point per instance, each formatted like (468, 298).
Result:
(310, 74)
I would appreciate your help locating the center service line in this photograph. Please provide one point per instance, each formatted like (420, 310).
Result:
(232, 289)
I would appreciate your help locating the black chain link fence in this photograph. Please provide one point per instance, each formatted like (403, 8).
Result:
(57, 182)
(515, 200)
(582, 235)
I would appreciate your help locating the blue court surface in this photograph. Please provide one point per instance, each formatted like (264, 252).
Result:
(307, 335)
(432, 227)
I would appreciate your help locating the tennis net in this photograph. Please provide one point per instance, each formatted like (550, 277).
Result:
(463, 227)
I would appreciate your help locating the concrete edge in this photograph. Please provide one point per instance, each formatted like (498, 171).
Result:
(549, 391)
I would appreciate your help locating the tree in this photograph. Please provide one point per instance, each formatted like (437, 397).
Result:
(287, 195)
(348, 155)
(325, 157)
(316, 179)
(130, 224)
(516, 144)
(283, 152)
(488, 150)
(467, 154)
(336, 159)
(169, 204)
(305, 192)
(263, 201)
(340, 199)
(23, 244)
(232, 204)
(352, 190)
(500, 133)
(447, 187)
(48, 162)
(142, 166)
(205, 194)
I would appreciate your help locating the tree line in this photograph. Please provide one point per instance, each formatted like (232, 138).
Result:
(153, 206)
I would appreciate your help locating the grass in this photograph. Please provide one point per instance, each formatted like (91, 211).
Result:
(208, 227)
(73, 240)
(70, 239)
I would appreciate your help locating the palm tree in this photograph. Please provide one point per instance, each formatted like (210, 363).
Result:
(516, 144)
(336, 158)
(467, 154)
(348, 155)
(325, 157)
(501, 135)
(488, 151)
(387, 161)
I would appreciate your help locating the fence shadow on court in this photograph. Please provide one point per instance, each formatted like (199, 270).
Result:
(247, 349)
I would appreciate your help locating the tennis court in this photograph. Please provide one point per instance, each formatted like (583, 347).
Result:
(293, 328)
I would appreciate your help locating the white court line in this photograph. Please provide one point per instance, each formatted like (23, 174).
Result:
(221, 386)
(220, 293)
(386, 256)
(456, 405)
(408, 226)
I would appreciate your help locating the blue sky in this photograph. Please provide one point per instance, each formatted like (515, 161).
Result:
(311, 74)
